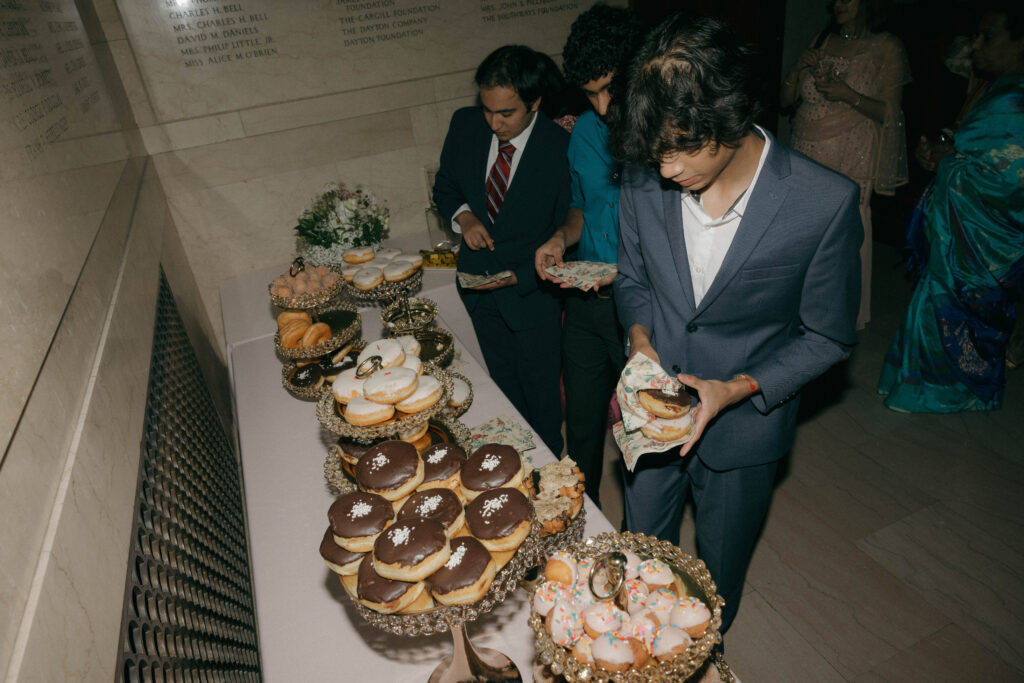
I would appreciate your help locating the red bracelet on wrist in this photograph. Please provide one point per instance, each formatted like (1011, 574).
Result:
(750, 382)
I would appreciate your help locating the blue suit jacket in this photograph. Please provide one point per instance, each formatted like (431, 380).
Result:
(535, 204)
(781, 309)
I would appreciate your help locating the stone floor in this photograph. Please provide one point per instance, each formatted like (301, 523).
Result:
(893, 550)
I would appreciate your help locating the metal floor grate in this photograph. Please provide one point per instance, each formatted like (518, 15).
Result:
(188, 612)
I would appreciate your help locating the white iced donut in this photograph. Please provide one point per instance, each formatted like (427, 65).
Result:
(670, 642)
(548, 593)
(410, 343)
(633, 595)
(656, 574)
(396, 271)
(426, 394)
(632, 564)
(349, 270)
(391, 385)
(691, 615)
(582, 651)
(415, 259)
(362, 412)
(368, 278)
(612, 652)
(563, 624)
(602, 617)
(357, 255)
(347, 386)
(561, 567)
(387, 253)
(643, 626)
(413, 363)
(668, 430)
(390, 351)
(661, 602)
(460, 393)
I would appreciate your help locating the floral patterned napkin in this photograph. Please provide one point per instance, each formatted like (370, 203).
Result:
(502, 429)
(641, 373)
(582, 274)
(468, 281)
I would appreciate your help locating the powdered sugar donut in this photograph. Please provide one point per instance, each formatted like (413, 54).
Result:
(390, 351)
(413, 363)
(691, 615)
(368, 278)
(612, 652)
(362, 411)
(656, 574)
(347, 386)
(582, 651)
(548, 594)
(396, 271)
(391, 385)
(357, 255)
(670, 642)
(633, 595)
(563, 624)
(661, 603)
(561, 567)
(410, 343)
(602, 617)
(426, 394)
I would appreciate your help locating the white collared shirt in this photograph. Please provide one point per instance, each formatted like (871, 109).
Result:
(519, 142)
(708, 239)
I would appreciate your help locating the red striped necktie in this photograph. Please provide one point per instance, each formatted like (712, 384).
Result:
(497, 180)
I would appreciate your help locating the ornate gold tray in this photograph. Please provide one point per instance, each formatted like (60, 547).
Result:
(437, 345)
(694, 576)
(345, 313)
(307, 301)
(309, 393)
(408, 314)
(327, 411)
(461, 410)
(386, 292)
(443, 429)
(567, 538)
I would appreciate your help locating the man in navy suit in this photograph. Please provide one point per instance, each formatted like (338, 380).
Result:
(738, 270)
(506, 204)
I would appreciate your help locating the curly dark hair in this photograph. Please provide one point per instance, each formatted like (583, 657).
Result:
(691, 84)
(601, 41)
(521, 68)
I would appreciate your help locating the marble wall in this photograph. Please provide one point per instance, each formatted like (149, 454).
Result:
(249, 108)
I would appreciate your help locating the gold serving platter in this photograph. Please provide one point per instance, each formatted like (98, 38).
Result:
(339, 313)
(408, 314)
(307, 301)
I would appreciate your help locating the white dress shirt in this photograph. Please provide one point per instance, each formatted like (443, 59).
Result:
(707, 238)
(519, 142)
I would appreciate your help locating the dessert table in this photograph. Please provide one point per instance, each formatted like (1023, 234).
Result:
(308, 629)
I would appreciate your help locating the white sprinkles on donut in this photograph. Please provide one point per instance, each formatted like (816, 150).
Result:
(456, 557)
(490, 462)
(360, 509)
(428, 506)
(494, 505)
(437, 456)
(399, 535)
(379, 460)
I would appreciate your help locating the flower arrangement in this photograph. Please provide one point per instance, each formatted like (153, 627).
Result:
(340, 219)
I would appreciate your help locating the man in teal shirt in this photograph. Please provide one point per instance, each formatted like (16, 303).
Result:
(601, 39)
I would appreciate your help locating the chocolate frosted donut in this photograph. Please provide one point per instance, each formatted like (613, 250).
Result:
(491, 466)
(383, 594)
(332, 368)
(340, 561)
(411, 550)
(467, 574)
(666, 404)
(351, 451)
(307, 376)
(392, 469)
(441, 463)
(356, 518)
(441, 505)
(500, 518)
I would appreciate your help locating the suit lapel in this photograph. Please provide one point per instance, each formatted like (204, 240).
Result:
(672, 206)
(768, 195)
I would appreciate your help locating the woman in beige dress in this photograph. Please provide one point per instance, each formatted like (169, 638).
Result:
(848, 86)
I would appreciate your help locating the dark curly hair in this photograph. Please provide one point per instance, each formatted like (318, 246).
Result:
(600, 41)
(521, 68)
(691, 84)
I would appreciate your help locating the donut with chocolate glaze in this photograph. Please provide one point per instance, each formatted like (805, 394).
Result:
(357, 519)
(667, 404)
(332, 366)
(467, 574)
(340, 561)
(440, 505)
(382, 594)
(492, 466)
(500, 518)
(411, 550)
(307, 377)
(391, 468)
(442, 464)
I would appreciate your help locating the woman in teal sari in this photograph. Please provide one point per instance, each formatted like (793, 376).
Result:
(949, 354)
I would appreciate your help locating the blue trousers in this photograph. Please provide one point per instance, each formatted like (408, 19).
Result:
(731, 506)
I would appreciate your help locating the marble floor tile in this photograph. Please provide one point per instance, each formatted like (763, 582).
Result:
(949, 656)
(962, 570)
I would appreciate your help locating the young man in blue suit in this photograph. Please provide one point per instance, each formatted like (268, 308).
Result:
(738, 270)
(504, 181)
